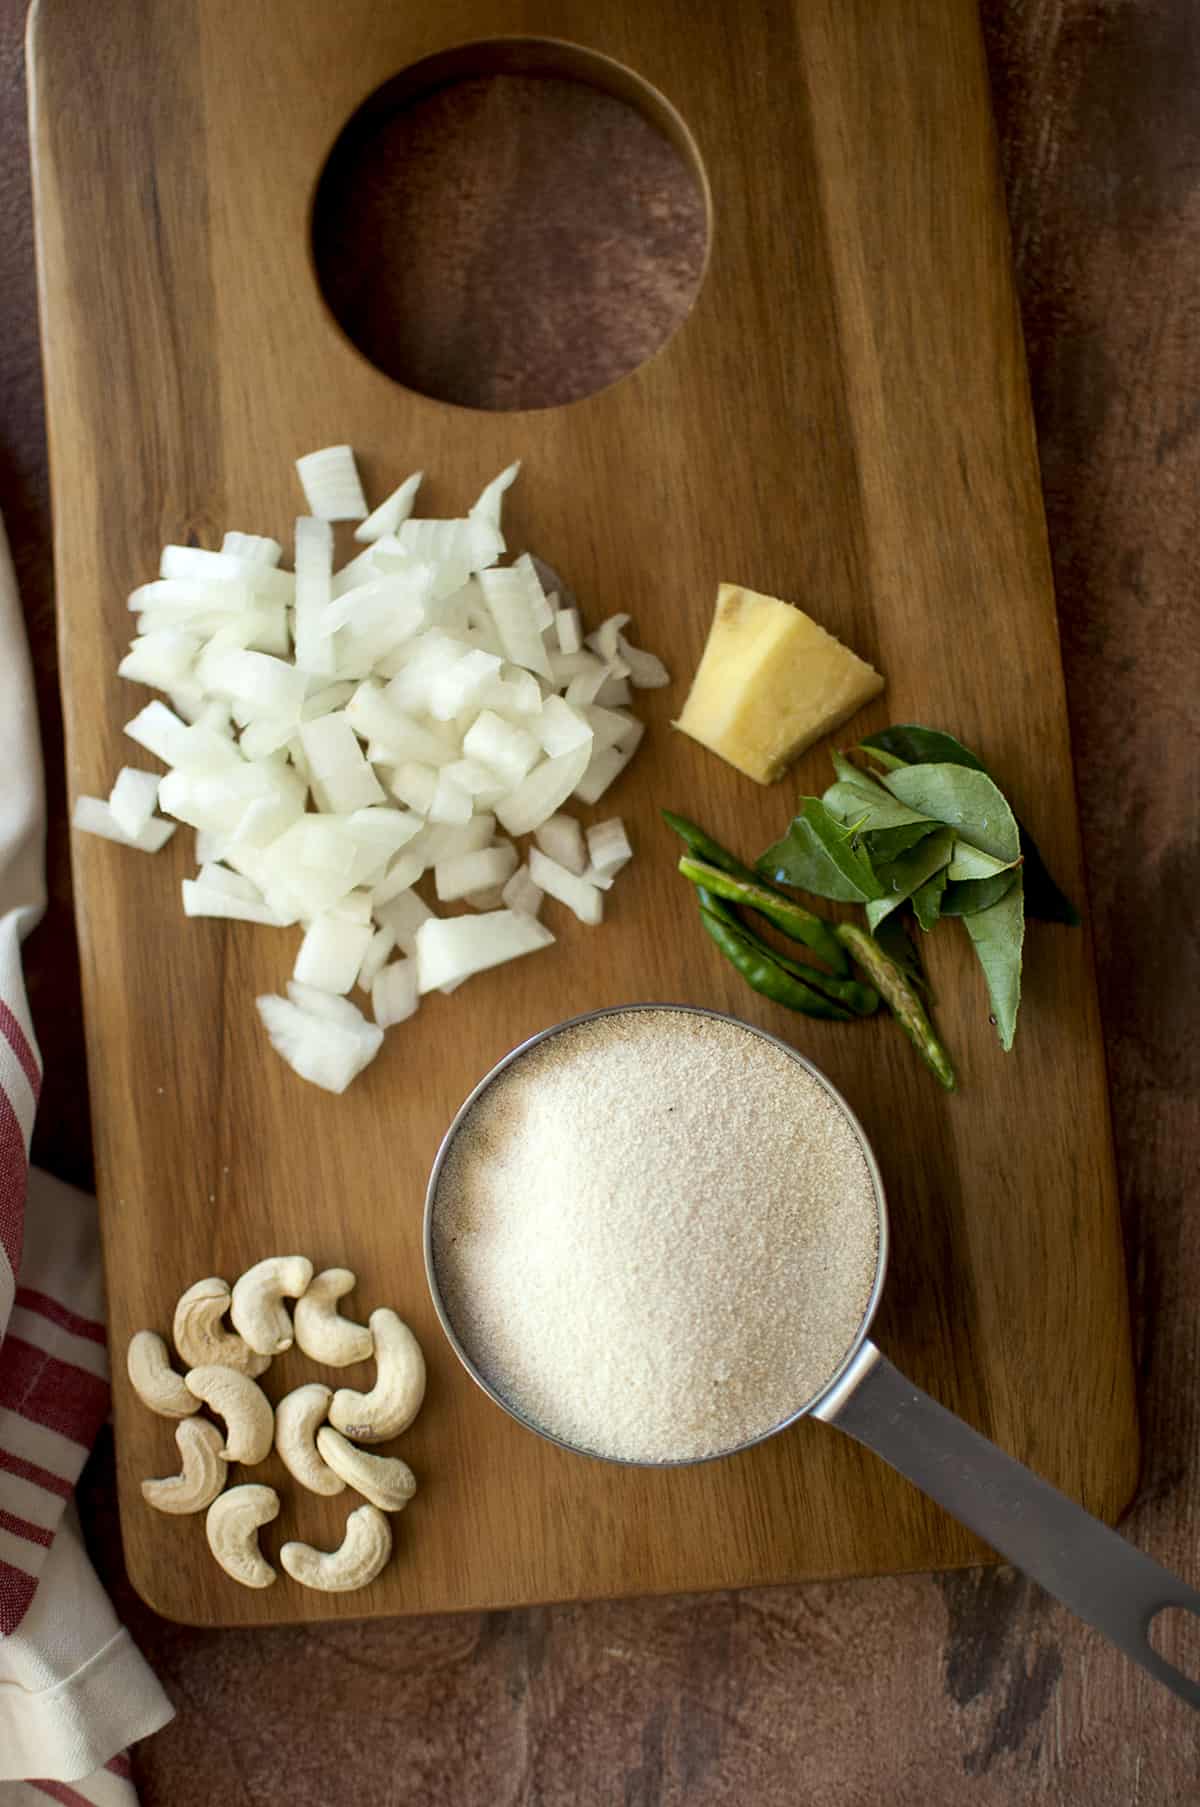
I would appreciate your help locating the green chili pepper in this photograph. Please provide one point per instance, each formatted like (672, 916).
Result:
(860, 1000)
(900, 997)
(759, 966)
(794, 920)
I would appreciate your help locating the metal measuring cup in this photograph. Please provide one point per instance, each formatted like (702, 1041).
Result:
(1102, 1578)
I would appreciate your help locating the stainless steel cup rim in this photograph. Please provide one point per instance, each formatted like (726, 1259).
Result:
(464, 1111)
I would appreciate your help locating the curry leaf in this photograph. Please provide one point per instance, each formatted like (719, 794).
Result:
(859, 798)
(885, 844)
(972, 862)
(927, 900)
(965, 800)
(901, 877)
(819, 855)
(914, 745)
(997, 935)
(971, 895)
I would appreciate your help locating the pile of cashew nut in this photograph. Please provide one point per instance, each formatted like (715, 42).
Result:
(315, 1430)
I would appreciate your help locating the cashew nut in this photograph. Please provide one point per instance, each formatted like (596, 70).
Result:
(203, 1474)
(386, 1481)
(154, 1380)
(395, 1399)
(232, 1529)
(296, 1419)
(321, 1332)
(241, 1402)
(357, 1560)
(257, 1309)
(199, 1337)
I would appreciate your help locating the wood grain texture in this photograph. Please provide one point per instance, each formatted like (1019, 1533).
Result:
(888, 480)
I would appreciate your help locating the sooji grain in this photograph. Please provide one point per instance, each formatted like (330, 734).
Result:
(656, 1235)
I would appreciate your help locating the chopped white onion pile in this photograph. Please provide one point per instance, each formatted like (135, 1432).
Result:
(335, 736)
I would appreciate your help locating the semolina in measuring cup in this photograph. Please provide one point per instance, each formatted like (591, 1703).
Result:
(1105, 1580)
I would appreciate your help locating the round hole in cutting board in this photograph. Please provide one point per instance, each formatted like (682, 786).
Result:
(511, 224)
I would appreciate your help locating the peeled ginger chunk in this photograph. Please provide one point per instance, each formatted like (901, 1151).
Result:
(770, 683)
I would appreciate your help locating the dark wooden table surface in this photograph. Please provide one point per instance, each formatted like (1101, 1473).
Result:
(922, 1690)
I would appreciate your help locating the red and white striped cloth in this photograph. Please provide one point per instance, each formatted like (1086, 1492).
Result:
(74, 1690)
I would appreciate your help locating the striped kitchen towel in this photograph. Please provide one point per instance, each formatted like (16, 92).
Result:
(74, 1691)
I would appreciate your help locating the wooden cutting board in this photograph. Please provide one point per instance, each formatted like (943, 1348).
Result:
(844, 419)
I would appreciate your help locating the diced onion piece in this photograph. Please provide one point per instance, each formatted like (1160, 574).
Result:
(315, 649)
(606, 766)
(207, 900)
(401, 875)
(445, 840)
(614, 693)
(491, 899)
(516, 604)
(385, 612)
(479, 781)
(543, 608)
(254, 548)
(646, 670)
(395, 995)
(162, 659)
(561, 728)
(372, 714)
(609, 727)
(326, 1052)
(331, 484)
(160, 731)
(456, 687)
(469, 872)
(133, 800)
(416, 785)
(451, 804)
(509, 751)
(600, 879)
(427, 655)
(332, 952)
(360, 569)
(392, 512)
(93, 816)
(264, 684)
(379, 950)
(543, 792)
(382, 831)
(608, 846)
(354, 907)
(518, 694)
(214, 877)
(568, 630)
(325, 700)
(224, 574)
(586, 686)
(561, 838)
(325, 1005)
(404, 915)
(450, 949)
(266, 818)
(459, 548)
(341, 778)
(565, 666)
(605, 639)
(491, 499)
(331, 745)
(520, 893)
(583, 899)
